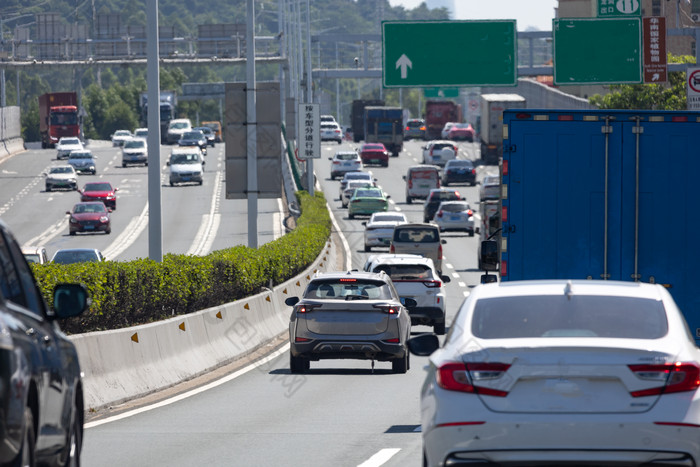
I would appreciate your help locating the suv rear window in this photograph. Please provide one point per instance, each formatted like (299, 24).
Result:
(349, 289)
(405, 271)
(574, 316)
(416, 234)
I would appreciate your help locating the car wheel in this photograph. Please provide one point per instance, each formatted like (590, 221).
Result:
(400, 365)
(172, 184)
(200, 182)
(27, 455)
(74, 443)
(368, 248)
(108, 231)
(385, 164)
(340, 142)
(445, 183)
(439, 328)
(123, 165)
(471, 233)
(409, 200)
(351, 216)
(48, 188)
(298, 364)
(72, 232)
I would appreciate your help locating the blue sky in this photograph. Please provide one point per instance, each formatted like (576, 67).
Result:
(528, 13)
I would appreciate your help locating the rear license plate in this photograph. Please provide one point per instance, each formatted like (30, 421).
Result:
(454, 218)
(425, 185)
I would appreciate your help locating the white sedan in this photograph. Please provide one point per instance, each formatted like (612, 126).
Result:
(66, 145)
(561, 372)
(379, 230)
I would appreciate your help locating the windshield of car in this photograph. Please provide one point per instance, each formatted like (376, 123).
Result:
(122, 133)
(179, 125)
(388, 218)
(459, 164)
(32, 258)
(347, 156)
(329, 125)
(491, 181)
(69, 141)
(438, 196)
(67, 257)
(367, 193)
(348, 289)
(414, 123)
(98, 187)
(416, 234)
(462, 125)
(357, 176)
(92, 207)
(61, 170)
(141, 133)
(80, 155)
(571, 316)
(184, 159)
(455, 207)
(373, 147)
(135, 144)
(406, 271)
(192, 135)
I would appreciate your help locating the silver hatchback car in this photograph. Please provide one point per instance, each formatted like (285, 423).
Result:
(349, 315)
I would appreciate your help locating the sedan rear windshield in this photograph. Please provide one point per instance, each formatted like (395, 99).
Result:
(349, 289)
(348, 156)
(574, 316)
(98, 187)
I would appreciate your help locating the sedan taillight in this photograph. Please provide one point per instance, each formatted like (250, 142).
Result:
(432, 284)
(388, 309)
(673, 377)
(457, 376)
(439, 214)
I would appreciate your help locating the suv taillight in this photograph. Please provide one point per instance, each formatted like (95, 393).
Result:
(440, 251)
(392, 249)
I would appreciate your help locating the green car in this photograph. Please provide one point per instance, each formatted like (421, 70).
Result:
(367, 201)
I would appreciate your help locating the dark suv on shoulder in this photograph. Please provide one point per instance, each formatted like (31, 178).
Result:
(41, 417)
(436, 196)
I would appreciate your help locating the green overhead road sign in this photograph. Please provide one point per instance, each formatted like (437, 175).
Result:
(619, 8)
(441, 92)
(449, 53)
(597, 51)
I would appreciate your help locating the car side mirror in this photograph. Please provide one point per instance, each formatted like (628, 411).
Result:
(445, 279)
(364, 222)
(489, 255)
(167, 163)
(68, 212)
(116, 189)
(443, 241)
(488, 278)
(330, 158)
(291, 301)
(423, 344)
(404, 177)
(204, 162)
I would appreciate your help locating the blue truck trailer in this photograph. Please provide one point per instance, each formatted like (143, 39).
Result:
(601, 194)
(384, 125)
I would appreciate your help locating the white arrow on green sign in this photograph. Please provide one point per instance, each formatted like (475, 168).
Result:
(449, 53)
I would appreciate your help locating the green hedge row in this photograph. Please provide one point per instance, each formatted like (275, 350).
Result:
(143, 291)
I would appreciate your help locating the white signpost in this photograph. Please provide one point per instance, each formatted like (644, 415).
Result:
(693, 88)
(309, 125)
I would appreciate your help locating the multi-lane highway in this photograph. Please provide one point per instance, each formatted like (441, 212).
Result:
(195, 219)
(340, 413)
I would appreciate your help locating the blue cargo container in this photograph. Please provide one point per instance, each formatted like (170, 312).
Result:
(384, 125)
(602, 194)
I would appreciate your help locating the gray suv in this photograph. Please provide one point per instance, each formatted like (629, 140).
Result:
(41, 419)
(351, 314)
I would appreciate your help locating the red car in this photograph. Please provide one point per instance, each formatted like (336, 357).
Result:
(463, 131)
(100, 191)
(91, 216)
(374, 153)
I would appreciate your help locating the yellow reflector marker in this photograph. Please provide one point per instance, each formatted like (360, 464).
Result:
(219, 315)
(267, 298)
(246, 306)
(135, 337)
(182, 326)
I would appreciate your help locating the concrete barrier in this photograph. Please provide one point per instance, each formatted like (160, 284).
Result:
(123, 364)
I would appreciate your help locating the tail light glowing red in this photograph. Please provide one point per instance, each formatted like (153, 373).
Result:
(457, 376)
(504, 268)
(392, 249)
(439, 252)
(505, 167)
(674, 377)
(504, 213)
(439, 214)
(388, 309)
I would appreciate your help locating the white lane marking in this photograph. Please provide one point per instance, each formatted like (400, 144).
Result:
(46, 236)
(397, 208)
(210, 223)
(462, 284)
(191, 393)
(380, 458)
(128, 236)
(455, 275)
(449, 266)
(466, 293)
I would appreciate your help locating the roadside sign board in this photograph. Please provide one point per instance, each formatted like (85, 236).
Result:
(449, 53)
(655, 69)
(693, 88)
(619, 8)
(309, 125)
(441, 92)
(597, 51)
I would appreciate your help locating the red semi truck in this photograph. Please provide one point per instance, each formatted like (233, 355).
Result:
(437, 113)
(58, 117)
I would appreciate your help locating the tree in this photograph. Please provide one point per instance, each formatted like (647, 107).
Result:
(670, 96)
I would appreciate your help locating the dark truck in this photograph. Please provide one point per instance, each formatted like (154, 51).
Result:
(357, 116)
(600, 194)
(385, 125)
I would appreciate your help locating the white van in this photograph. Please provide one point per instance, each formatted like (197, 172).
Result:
(420, 179)
(176, 128)
(186, 165)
